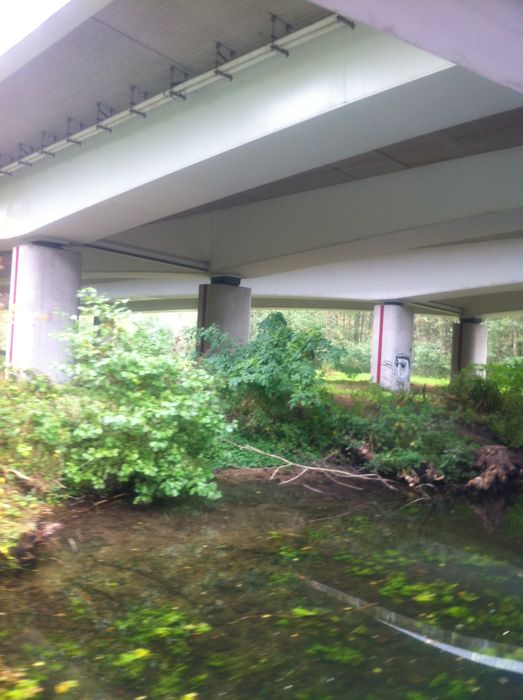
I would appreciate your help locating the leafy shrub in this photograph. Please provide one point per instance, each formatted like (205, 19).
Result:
(273, 388)
(272, 385)
(406, 433)
(430, 361)
(476, 391)
(353, 358)
(148, 419)
(33, 431)
(132, 416)
(496, 398)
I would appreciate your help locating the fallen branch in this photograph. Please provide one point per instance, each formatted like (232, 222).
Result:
(28, 482)
(287, 463)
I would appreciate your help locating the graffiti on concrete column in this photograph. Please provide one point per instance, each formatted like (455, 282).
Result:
(402, 366)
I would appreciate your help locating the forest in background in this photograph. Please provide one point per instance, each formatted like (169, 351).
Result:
(352, 330)
(432, 337)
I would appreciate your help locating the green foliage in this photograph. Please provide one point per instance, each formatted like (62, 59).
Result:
(278, 365)
(273, 388)
(32, 429)
(272, 385)
(406, 432)
(149, 419)
(354, 358)
(430, 360)
(494, 397)
(505, 338)
(476, 391)
(133, 415)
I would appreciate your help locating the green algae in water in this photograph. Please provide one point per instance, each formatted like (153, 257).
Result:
(213, 602)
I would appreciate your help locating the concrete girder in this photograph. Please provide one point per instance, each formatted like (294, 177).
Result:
(483, 36)
(445, 278)
(474, 198)
(340, 94)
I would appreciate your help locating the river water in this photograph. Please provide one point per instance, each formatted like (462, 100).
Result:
(271, 592)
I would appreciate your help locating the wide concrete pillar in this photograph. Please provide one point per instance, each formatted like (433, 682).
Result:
(225, 304)
(469, 344)
(392, 346)
(44, 284)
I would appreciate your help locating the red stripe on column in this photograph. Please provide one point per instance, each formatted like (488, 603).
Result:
(14, 277)
(380, 343)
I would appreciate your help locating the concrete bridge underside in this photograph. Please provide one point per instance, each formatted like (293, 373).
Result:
(330, 166)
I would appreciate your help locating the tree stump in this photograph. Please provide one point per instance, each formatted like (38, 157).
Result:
(496, 469)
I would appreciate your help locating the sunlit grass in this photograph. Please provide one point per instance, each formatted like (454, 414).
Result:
(341, 383)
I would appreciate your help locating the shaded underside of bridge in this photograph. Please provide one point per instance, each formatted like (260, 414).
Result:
(355, 170)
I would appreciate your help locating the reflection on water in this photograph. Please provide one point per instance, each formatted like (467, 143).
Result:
(480, 651)
(270, 593)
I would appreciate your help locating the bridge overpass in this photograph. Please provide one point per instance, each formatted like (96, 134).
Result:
(293, 156)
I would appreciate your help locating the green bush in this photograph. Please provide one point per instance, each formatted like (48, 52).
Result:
(473, 389)
(430, 361)
(408, 433)
(272, 386)
(353, 358)
(132, 416)
(149, 419)
(33, 433)
(494, 397)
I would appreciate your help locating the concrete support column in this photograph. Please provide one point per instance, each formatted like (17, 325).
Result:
(469, 344)
(225, 304)
(392, 346)
(44, 284)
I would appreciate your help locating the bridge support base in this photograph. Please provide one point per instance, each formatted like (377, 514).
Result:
(44, 284)
(392, 346)
(469, 344)
(225, 304)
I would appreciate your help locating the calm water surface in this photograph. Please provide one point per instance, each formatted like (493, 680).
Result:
(272, 592)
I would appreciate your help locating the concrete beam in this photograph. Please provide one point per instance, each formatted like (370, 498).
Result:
(483, 36)
(478, 275)
(405, 275)
(385, 214)
(341, 94)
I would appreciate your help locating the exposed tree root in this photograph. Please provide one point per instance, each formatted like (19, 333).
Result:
(497, 469)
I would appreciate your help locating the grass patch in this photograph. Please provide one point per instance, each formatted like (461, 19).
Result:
(341, 383)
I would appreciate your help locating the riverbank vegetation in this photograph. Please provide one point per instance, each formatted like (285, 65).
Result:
(140, 415)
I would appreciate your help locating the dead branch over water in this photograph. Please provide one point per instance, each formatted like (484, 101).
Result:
(321, 467)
